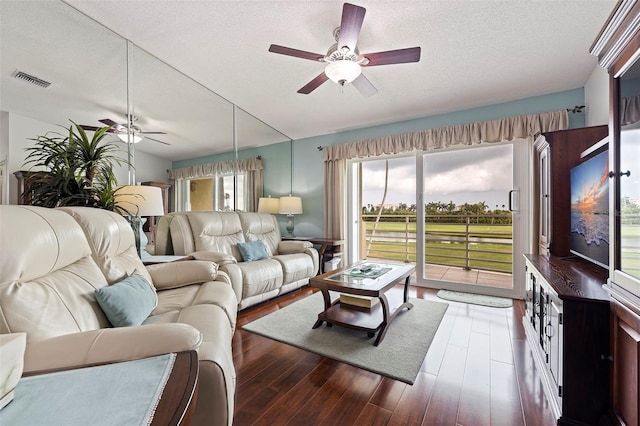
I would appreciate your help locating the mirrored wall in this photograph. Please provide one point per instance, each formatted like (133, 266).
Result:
(97, 77)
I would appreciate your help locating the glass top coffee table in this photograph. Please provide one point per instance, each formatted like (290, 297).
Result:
(370, 279)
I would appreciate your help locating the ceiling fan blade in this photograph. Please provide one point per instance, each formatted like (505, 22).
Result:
(94, 128)
(108, 122)
(295, 52)
(400, 56)
(313, 84)
(151, 133)
(156, 140)
(364, 86)
(352, 17)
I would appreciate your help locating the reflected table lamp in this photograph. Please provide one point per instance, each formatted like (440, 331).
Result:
(290, 206)
(136, 203)
(268, 205)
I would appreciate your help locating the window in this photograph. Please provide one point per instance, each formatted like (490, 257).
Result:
(220, 193)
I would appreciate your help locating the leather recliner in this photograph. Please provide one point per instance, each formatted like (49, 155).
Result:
(53, 260)
(214, 236)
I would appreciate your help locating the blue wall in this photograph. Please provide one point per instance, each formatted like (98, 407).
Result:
(308, 172)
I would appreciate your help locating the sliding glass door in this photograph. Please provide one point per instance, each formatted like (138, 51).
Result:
(456, 214)
(471, 237)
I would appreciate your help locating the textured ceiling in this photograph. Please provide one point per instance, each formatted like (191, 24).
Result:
(474, 53)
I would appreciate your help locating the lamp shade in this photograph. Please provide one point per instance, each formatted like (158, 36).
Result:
(268, 205)
(290, 205)
(343, 71)
(140, 200)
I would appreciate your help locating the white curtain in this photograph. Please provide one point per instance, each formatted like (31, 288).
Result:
(630, 110)
(504, 129)
(334, 174)
(251, 167)
(219, 168)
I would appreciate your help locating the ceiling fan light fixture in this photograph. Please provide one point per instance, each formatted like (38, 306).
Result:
(343, 71)
(124, 137)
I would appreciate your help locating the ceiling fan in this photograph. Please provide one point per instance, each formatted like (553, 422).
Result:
(122, 130)
(344, 61)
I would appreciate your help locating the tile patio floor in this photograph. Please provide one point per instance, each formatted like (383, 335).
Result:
(473, 276)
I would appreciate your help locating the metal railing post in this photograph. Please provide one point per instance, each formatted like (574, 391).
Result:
(363, 240)
(406, 239)
(466, 248)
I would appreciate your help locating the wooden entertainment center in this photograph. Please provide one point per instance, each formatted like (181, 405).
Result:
(618, 50)
(567, 327)
(567, 310)
(582, 321)
(557, 152)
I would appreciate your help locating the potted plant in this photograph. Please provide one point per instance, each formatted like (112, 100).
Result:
(79, 169)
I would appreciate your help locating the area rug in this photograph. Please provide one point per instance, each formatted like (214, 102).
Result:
(476, 299)
(399, 355)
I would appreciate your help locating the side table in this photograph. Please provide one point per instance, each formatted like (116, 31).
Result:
(160, 389)
(327, 250)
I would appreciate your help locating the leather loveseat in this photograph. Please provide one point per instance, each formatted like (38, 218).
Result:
(52, 261)
(215, 236)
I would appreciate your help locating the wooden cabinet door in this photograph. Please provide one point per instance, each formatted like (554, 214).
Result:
(626, 364)
(554, 332)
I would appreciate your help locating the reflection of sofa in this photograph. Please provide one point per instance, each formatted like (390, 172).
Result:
(215, 236)
(50, 268)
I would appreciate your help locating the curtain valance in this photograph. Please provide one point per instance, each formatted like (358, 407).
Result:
(221, 167)
(499, 130)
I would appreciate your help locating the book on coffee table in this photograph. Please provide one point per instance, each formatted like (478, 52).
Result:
(362, 301)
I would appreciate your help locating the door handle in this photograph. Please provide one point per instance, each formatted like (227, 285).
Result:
(511, 209)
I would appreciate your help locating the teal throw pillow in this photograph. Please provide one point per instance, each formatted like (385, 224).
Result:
(128, 302)
(253, 250)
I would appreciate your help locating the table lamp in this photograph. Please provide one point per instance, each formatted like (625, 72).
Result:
(136, 201)
(290, 206)
(268, 205)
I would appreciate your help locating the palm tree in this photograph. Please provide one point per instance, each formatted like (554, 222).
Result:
(384, 198)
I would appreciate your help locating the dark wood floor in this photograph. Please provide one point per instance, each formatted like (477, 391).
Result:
(478, 371)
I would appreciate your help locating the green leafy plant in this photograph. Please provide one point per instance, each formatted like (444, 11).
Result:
(79, 169)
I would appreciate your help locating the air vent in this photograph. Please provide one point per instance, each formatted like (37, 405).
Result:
(30, 79)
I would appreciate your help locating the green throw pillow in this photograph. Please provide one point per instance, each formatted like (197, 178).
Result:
(128, 302)
(253, 250)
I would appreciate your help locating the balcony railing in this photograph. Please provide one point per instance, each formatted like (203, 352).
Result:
(482, 242)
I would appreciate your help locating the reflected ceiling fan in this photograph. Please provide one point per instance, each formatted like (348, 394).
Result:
(344, 61)
(122, 130)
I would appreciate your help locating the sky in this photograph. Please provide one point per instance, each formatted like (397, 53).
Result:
(468, 175)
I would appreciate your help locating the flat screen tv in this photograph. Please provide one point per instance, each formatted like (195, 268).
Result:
(590, 209)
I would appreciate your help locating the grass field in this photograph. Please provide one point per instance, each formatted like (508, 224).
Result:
(630, 261)
(486, 256)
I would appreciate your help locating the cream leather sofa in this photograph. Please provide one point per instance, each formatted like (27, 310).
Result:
(214, 236)
(53, 260)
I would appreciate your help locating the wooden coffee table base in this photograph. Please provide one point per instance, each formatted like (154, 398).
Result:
(375, 319)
